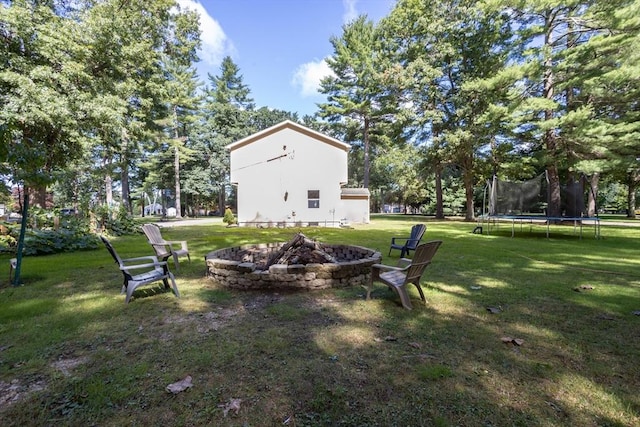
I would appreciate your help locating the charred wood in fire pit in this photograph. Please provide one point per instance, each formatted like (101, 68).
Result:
(300, 250)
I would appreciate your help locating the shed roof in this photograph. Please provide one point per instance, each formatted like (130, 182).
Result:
(354, 193)
(288, 124)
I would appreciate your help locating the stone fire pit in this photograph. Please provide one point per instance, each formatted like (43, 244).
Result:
(298, 264)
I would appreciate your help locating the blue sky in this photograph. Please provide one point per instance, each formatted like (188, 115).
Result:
(279, 45)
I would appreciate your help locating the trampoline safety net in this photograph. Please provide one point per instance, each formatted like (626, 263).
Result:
(531, 197)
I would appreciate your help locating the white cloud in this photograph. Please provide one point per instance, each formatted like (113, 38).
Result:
(307, 77)
(350, 11)
(215, 44)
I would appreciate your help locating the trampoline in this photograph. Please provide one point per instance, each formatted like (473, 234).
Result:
(525, 203)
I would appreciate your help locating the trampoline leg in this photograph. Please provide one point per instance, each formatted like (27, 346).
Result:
(580, 228)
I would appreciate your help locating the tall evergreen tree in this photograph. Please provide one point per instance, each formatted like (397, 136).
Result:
(609, 139)
(567, 47)
(439, 46)
(182, 84)
(355, 97)
(226, 117)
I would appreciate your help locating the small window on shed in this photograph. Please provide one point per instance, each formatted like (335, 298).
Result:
(313, 198)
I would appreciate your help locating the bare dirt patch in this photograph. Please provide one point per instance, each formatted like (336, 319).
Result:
(16, 390)
(66, 366)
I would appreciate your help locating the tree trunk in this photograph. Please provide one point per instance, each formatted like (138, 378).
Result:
(468, 189)
(23, 229)
(176, 169)
(550, 138)
(124, 181)
(164, 203)
(124, 175)
(176, 162)
(108, 190)
(592, 208)
(41, 196)
(468, 179)
(365, 140)
(221, 201)
(634, 177)
(439, 198)
(554, 200)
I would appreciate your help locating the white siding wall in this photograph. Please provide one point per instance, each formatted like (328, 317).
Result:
(309, 164)
(356, 211)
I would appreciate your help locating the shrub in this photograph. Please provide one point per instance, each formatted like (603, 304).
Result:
(41, 242)
(229, 218)
(50, 232)
(7, 243)
(116, 221)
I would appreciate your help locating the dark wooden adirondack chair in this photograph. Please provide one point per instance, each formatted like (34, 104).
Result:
(149, 268)
(406, 244)
(408, 271)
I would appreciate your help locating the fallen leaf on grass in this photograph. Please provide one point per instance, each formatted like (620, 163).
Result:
(181, 385)
(425, 356)
(387, 338)
(494, 310)
(509, 340)
(234, 404)
(554, 406)
(421, 356)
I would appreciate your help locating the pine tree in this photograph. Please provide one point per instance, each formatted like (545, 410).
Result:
(226, 115)
(437, 47)
(355, 99)
(569, 53)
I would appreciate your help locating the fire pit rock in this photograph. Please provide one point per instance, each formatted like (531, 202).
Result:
(300, 263)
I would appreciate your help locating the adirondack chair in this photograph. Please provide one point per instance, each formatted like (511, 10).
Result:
(408, 271)
(406, 244)
(151, 269)
(165, 248)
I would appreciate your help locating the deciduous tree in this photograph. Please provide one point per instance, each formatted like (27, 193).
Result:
(43, 97)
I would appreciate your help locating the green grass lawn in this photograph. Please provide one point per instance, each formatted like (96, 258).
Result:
(72, 353)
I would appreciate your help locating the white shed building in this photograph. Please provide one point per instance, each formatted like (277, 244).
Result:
(290, 175)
